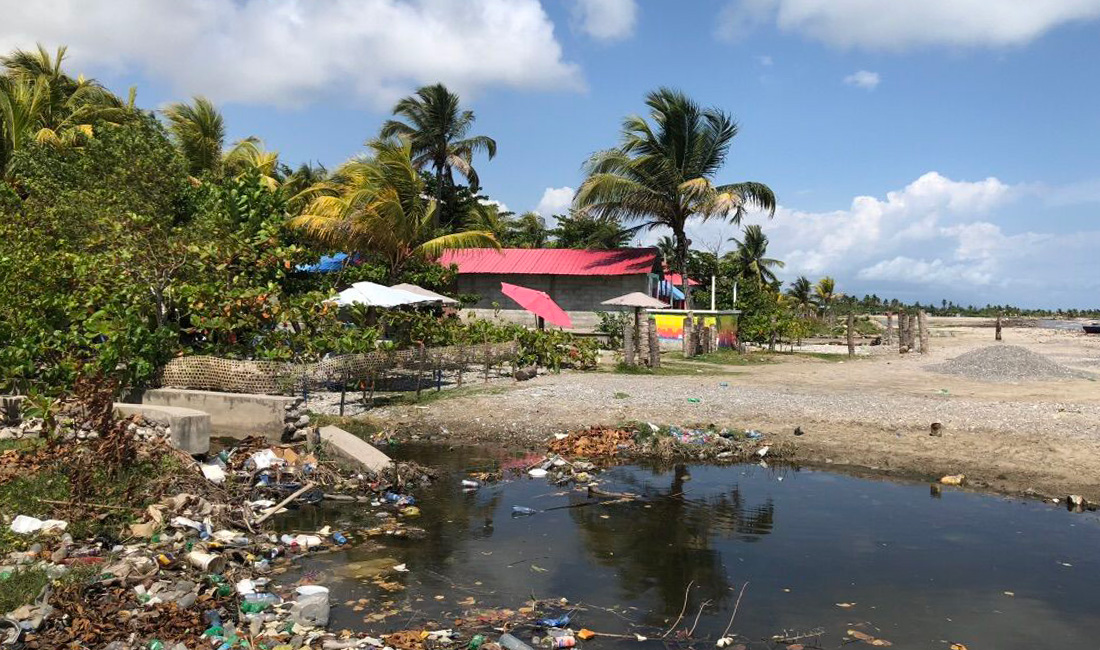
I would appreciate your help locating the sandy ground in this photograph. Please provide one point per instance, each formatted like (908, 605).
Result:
(871, 413)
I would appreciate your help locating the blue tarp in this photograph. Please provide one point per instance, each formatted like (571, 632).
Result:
(666, 290)
(328, 264)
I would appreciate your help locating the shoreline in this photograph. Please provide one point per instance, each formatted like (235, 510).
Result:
(1037, 439)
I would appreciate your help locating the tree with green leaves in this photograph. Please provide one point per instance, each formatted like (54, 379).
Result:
(825, 296)
(801, 293)
(199, 131)
(662, 173)
(438, 129)
(575, 230)
(750, 258)
(377, 207)
(528, 231)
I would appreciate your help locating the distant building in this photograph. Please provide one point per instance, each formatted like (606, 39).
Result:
(578, 280)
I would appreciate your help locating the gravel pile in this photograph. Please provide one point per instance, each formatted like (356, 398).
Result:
(1003, 363)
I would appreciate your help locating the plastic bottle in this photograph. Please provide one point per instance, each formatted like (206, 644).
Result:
(512, 643)
(470, 484)
(476, 642)
(339, 538)
(522, 511)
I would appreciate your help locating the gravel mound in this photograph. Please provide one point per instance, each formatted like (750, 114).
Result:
(1003, 363)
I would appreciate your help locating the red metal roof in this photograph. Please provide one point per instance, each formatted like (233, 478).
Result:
(552, 261)
(676, 280)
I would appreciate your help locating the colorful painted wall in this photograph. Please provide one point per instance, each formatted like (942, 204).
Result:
(670, 327)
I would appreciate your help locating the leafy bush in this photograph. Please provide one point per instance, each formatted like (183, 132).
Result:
(612, 324)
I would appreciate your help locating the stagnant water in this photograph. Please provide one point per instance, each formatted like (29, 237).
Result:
(919, 570)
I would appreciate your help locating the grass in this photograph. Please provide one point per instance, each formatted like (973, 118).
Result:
(22, 586)
(669, 369)
(22, 443)
(131, 488)
(723, 357)
(621, 395)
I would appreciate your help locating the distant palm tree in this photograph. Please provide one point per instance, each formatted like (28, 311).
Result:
(801, 294)
(529, 231)
(199, 130)
(298, 182)
(750, 261)
(661, 173)
(438, 130)
(825, 295)
(667, 247)
(377, 207)
(592, 233)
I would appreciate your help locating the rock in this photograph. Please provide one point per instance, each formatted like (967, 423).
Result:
(953, 479)
(1077, 501)
(302, 422)
(936, 430)
(798, 431)
(525, 374)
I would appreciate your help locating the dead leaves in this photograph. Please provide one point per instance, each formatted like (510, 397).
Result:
(868, 639)
(594, 442)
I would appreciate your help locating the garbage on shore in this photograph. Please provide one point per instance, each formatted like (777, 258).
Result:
(669, 442)
(181, 555)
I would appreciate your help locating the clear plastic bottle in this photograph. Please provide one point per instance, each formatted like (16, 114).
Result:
(512, 643)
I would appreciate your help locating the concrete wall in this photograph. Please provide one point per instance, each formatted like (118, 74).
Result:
(579, 295)
(237, 415)
(190, 429)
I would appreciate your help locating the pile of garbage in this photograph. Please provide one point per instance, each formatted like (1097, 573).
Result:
(670, 442)
(194, 566)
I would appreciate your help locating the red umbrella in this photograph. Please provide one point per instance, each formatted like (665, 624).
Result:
(538, 303)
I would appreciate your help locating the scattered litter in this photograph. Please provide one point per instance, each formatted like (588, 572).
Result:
(953, 479)
(213, 473)
(522, 511)
(538, 472)
(24, 525)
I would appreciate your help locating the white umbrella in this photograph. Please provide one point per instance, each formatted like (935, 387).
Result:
(377, 295)
(421, 291)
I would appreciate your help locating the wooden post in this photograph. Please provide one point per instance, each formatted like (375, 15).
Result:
(998, 335)
(912, 332)
(419, 369)
(922, 322)
(888, 337)
(851, 335)
(689, 350)
(654, 345)
(903, 323)
(628, 344)
(642, 340)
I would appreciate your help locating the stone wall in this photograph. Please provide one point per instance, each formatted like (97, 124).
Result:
(579, 295)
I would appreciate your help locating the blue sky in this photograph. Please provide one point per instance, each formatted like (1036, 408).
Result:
(923, 149)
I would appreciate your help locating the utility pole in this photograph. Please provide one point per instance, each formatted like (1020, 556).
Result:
(713, 285)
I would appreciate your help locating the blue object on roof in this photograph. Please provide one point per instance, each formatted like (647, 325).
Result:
(328, 264)
(666, 289)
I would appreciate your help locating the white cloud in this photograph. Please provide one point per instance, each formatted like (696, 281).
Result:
(606, 20)
(500, 205)
(764, 60)
(555, 200)
(903, 24)
(934, 238)
(863, 79)
(293, 52)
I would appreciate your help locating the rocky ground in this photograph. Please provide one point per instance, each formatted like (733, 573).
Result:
(1013, 434)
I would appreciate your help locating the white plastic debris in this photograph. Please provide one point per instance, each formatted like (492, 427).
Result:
(264, 459)
(24, 525)
(763, 451)
(538, 472)
(401, 568)
(213, 473)
(245, 587)
(184, 522)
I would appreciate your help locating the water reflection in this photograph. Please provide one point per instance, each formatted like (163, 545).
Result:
(924, 571)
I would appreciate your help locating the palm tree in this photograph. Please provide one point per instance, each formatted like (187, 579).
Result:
(583, 231)
(801, 295)
(249, 155)
(669, 253)
(661, 173)
(377, 206)
(825, 295)
(529, 231)
(750, 262)
(199, 131)
(40, 103)
(438, 129)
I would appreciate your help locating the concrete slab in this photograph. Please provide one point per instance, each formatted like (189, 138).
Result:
(190, 428)
(236, 415)
(353, 449)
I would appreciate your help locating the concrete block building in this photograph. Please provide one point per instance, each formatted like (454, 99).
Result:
(578, 280)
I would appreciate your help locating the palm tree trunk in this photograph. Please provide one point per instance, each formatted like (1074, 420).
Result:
(682, 254)
(438, 193)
